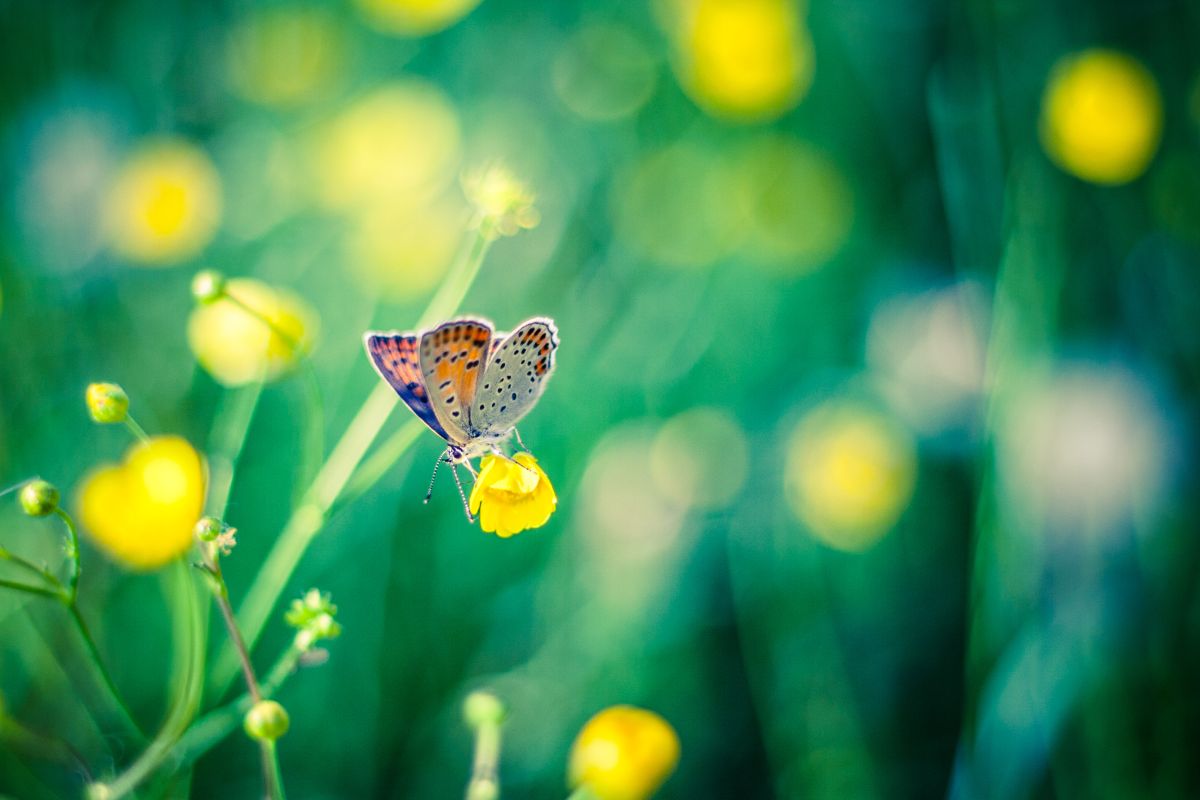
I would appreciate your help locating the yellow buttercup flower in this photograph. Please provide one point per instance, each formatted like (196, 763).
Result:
(849, 474)
(231, 340)
(623, 753)
(1101, 116)
(744, 58)
(165, 204)
(143, 511)
(511, 497)
(415, 17)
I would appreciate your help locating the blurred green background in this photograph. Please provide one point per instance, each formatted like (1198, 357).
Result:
(873, 416)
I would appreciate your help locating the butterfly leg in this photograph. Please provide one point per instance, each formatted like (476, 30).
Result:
(501, 454)
(517, 433)
(461, 493)
(442, 459)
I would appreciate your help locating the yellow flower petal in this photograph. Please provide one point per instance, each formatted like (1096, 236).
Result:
(142, 512)
(512, 497)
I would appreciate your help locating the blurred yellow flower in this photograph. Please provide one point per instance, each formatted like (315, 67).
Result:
(503, 203)
(743, 58)
(415, 17)
(849, 473)
(623, 753)
(1101, 116)
(164, 204)
(284, 56)
(512, 497)
(231, 340)
(400, 142)
(143, 511)
(404, 249)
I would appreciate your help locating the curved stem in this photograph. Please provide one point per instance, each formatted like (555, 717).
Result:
(189, 677)
(123, 713)
(308, 518)
(72, 550)
(135, 429)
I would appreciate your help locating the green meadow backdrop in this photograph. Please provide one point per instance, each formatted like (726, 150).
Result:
(872, 428)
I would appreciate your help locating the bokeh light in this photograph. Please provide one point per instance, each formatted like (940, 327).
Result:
(743, 59)
(927, 350)
(285, 56)
(1101, 116)
(849, 473)
(255, 338)
(164, 204)
(414, 17)
(401, 140)
(700, 458)
(403, 250)
(797, 206)
(1085, 448)
(604, 72)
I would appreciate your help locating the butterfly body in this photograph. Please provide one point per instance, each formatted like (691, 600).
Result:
(469, 384)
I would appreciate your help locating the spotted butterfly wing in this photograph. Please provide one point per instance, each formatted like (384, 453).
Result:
(453, 356)
(515, 377)
(394, 356)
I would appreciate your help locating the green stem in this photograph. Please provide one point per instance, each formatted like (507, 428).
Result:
(217, 724)
(18, 737)
(189, 628)
(486, 762)
(72, 553)
(135, 429)
(43, 574)
(310, 514)
(122, 711)
(272, 775)
(40, 591)
(226, 440)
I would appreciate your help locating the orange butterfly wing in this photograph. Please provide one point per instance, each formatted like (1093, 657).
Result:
(453, 356)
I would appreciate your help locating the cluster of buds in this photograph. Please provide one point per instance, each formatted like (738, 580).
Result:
(503, 204)
(313, 618)
(216, 533)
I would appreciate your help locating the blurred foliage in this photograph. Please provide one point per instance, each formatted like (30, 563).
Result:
(872, 428)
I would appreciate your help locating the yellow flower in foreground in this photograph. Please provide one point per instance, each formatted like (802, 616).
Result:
(623, 753)
(512, 497)
(233, 343)
(744, 58)
(1101, 116)
(165, 203)
(143, 511)
(415, 17)
(849, 474)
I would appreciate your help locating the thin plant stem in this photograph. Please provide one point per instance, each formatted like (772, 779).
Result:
(72, 550)
(18, 737)
(486, 761)
(310, 514)
(123, 713)
(226, 440)
(189, 628)
(42, 573)
(274, 775)
(40, 591)
(135, 429)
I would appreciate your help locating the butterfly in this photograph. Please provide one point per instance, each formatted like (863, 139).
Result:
(468, 383)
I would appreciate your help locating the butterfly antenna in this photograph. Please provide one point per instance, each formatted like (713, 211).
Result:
(433, 477)
(458, 483)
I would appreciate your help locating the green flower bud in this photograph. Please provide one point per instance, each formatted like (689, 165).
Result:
(483, 708)
(39, 498)
(208, 529)
(107, 402)
(266, 721)
(98, 791)
(208, 286)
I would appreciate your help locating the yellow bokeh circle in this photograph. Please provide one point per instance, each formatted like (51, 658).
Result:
(848, 475)
(414, 17)
(164, 204)
(284, 56)
(1101, 116)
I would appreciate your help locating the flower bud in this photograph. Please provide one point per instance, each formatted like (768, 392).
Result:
(39, 498)
(483, 708)
(208, 286)
(266, 721)
(107, 402)
(623, 753)
(208, 529)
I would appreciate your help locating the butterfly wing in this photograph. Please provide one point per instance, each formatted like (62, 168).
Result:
(453, 356)
(394, 356)
(515, 376)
